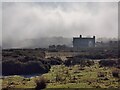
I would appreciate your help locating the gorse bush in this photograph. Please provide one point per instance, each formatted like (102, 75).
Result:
(12, 67)
(19, 62)
(78, 61)
(40, 83)
(102, 74)
(116, 73)
(108, 63)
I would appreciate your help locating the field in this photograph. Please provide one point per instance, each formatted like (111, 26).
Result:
(0, 84)
(89, 68)
(61, 76)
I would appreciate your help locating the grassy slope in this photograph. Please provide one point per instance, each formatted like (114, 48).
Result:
(0, 84)
(82, 78)
(69, 77)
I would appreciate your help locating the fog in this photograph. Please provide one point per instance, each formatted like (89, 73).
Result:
(38, 24)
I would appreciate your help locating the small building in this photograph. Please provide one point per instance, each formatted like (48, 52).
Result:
(81, 42)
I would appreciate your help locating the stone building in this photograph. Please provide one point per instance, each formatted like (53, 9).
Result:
(81, 42)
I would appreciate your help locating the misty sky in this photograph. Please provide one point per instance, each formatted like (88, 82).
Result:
(35, 20)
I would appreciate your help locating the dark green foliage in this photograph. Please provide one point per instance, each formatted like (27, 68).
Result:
(118, 63)
(12, 67)
(116, 73)
(19, 62)
(54, 61)
(78, 61)
(108, 63)
(93, 56)
(40, 83)
(102, 74)
(16, 53)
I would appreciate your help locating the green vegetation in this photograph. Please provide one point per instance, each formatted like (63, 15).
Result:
(75, 76)
(92, 68)
(19, 68)
(40, 83)
(0, 84)
(18, 82)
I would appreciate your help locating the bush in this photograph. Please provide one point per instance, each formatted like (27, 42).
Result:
(78, 61)
(116, 73)
(54, 61)
(40, 83)
(102, 74)
(108, 63)
(12, 67)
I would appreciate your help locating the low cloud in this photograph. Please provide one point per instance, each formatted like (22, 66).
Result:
(23, 21)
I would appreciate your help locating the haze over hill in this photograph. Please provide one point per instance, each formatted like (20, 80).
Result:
(44, 42)
(35, 24)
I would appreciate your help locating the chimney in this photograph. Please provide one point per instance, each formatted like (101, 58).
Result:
(80, 36)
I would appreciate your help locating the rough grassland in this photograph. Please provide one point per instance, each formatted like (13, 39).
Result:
(61, 76)
(76, 77)
(0, 84)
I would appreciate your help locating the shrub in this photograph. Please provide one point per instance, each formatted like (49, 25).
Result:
(12, 67)
(78, 61)
(108, 63)
(102, 74)
(54, 61)
(116, 73)
(40, 83)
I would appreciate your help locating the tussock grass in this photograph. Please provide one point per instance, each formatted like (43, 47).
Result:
(61, 76)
